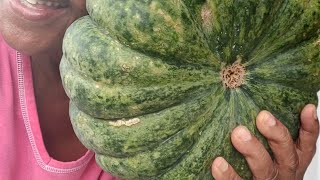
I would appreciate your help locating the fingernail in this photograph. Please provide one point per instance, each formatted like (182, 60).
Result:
(269, 119)
(244, 134)
(222, 164)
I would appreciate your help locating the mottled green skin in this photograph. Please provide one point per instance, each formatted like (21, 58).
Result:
(159, 61)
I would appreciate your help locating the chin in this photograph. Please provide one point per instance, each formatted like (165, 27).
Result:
(33, 29)
(30, 43)
(24, 46)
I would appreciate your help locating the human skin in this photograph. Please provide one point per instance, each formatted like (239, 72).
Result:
(291, 158)
(41, 38)
(30, 30)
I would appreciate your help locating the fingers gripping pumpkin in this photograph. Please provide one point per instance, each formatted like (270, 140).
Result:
(156, 86)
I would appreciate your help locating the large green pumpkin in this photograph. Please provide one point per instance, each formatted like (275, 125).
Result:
(156, 86)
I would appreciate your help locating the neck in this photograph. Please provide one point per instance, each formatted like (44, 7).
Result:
(47, 64)
(46, 78)
(53, 108)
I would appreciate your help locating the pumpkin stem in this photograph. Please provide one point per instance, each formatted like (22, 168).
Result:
(233, 76)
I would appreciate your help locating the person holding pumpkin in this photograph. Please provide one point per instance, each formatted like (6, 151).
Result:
(37, 139)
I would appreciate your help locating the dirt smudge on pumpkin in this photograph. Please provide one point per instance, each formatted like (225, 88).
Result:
(123, 122)
(125, 68)
(207, 17)
(177, 25)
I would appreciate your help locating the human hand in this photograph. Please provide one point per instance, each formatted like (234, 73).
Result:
(291, 159)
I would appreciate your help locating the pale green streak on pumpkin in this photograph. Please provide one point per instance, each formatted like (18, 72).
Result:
(234, 27)
(155, 161)
(155, 27)
(284, 102)
(165, 155)
(297, 21)
(164, 147)
(291, 68)
(128, 84)
(153, 128)
(116, 102)
(196, 165)
(107, 61)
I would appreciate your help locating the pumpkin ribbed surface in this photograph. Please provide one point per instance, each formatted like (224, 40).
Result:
(157, 86)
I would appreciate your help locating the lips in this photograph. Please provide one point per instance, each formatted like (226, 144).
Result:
(39, 10)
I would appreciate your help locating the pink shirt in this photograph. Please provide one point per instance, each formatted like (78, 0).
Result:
(22, 152)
